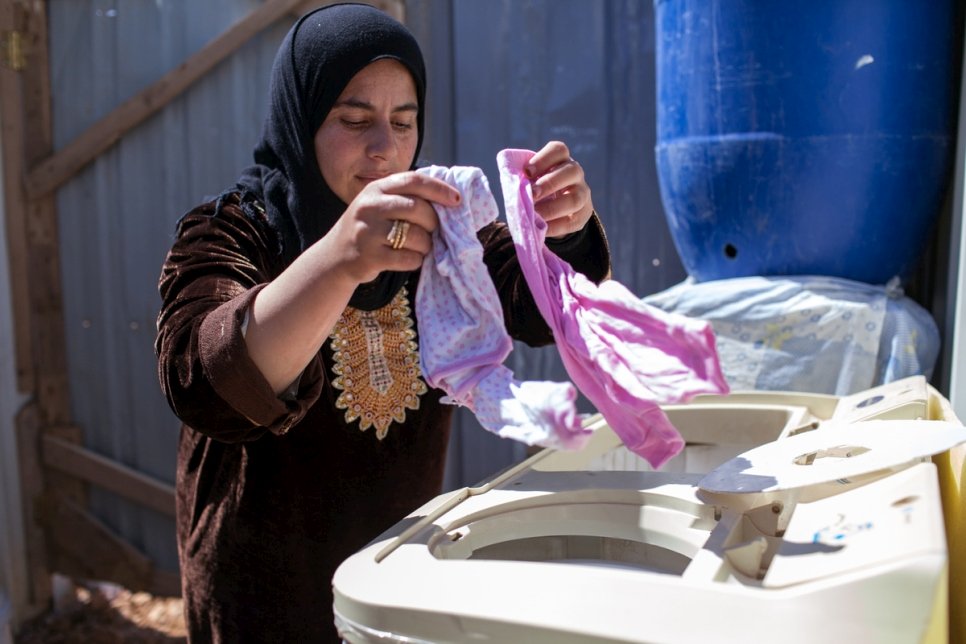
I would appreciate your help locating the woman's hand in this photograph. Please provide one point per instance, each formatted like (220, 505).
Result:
(363, 237)
(560, 191)
(293, 315)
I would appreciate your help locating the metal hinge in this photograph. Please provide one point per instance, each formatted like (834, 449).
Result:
(11, 50)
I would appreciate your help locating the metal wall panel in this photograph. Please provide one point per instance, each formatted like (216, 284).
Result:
(117, 217)
(508, 73)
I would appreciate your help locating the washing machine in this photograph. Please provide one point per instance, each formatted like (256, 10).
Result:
(788, 517)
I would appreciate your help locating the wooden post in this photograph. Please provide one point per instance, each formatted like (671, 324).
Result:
(12, 28)
(35, 279)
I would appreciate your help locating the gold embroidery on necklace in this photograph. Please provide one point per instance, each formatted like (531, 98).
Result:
(376, 364)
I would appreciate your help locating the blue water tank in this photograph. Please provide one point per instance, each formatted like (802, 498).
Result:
(800, 138)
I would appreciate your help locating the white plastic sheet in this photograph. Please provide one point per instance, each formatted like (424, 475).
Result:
(810, 333)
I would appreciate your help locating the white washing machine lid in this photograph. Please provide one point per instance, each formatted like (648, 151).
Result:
(833, 452)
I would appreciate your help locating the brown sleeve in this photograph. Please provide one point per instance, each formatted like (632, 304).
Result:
(216, 266)
(587, 251)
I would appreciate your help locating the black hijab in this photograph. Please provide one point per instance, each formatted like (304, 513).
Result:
(317, 59)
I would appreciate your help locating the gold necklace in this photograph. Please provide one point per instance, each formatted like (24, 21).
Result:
(376, 364)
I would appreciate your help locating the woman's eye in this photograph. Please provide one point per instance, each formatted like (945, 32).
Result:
(355, 125)
(402, 126)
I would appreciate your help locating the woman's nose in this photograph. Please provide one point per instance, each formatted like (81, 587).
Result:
(381, 143)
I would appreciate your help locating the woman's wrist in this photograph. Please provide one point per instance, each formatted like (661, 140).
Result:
(573, 238)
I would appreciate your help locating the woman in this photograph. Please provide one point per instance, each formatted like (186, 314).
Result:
(288, 299)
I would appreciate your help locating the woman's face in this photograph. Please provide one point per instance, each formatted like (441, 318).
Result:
(371, 131)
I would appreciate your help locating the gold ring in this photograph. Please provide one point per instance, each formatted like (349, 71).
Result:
(393, 232)
(397, 234)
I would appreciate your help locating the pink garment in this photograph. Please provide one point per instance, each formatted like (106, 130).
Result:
(626, 356)
(463, 341)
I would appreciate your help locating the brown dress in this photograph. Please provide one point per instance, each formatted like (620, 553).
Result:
(273, 493)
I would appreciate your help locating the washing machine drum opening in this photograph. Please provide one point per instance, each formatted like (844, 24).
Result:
(588, 550)
(662, 536)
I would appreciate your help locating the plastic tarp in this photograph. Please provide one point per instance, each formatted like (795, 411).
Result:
(809, 333)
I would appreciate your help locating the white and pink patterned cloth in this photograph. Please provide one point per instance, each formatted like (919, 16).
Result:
(626, 357)
(462, 339)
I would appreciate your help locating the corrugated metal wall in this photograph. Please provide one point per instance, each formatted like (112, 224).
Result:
(117, 217)
(514, 73)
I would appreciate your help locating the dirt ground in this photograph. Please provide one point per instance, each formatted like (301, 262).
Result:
(106, 614)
